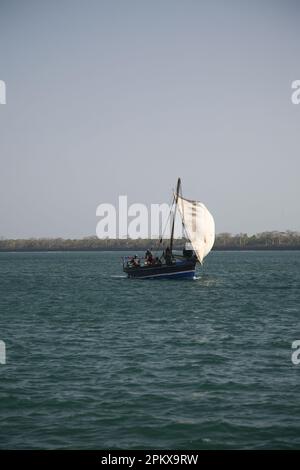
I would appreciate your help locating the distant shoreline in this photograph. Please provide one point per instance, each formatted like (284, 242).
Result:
(70, 250)
(265, 241)
(94, 250)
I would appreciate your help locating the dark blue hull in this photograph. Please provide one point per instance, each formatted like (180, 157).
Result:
(179, 270)
(180, 275)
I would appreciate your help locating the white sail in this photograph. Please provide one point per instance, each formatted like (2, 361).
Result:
(199, 225)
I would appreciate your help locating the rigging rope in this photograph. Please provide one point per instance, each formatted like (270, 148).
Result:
(163, 232)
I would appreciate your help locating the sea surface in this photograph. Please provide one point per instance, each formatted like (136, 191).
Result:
(98, 361)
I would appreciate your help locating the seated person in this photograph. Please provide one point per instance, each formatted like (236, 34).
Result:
(148, 257)
(167, 254)
(135, 261)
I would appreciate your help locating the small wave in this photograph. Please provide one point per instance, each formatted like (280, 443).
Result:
(205, 281)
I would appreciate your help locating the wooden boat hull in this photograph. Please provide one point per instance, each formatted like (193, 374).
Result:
(178, 270)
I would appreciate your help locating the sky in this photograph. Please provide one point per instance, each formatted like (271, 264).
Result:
(108, 98)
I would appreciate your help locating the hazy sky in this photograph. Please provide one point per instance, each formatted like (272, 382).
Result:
(121, 97)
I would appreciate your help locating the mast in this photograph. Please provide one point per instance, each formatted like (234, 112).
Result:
(174, 215)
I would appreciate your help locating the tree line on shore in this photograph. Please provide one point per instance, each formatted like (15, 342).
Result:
(289, 240)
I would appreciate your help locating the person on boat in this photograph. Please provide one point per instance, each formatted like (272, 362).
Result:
(130, 262)
(135, 261)
(148, 257)
(167, 254)
(157, 261)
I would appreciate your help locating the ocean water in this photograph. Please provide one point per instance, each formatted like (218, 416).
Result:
(98, 361)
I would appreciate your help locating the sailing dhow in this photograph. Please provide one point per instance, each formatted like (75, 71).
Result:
(199, 227)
